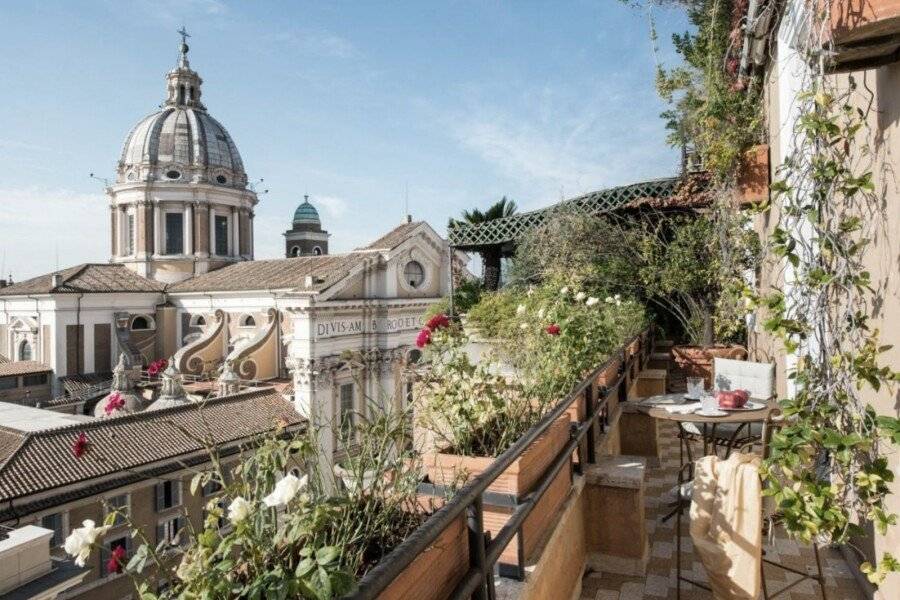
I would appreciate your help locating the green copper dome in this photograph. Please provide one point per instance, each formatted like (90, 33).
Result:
(306, 213)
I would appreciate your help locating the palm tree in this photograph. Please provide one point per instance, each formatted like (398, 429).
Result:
(490, 255)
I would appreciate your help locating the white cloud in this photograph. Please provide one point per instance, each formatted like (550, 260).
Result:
(37, 224)
(333, 206)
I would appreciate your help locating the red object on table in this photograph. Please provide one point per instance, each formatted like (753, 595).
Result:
(732, 398)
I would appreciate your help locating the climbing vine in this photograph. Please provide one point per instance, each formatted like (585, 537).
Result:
(827, 469)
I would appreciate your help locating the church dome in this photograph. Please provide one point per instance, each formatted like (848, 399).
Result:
(306, 213)
(181, 142)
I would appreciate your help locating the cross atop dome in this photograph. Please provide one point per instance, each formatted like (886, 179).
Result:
(183, 61)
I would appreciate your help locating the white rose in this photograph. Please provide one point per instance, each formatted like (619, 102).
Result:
(238, 510)
(609, 300)
(564, 291)
(541, 313)
(520, 310)
(592, 301)
(618, 303)
(580, 296)
(79, 542)
(530, 291)
(523, 326)
(617, 297)
(285, 490)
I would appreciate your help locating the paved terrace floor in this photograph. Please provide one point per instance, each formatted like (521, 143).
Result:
(660, 579)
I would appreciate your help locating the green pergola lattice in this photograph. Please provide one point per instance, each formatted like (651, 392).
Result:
(509, 229)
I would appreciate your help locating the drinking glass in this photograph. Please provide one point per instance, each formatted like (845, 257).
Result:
(708, 402)
(695, 387)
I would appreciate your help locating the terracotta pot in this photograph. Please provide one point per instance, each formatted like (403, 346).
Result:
(697, 361)
(435, 573)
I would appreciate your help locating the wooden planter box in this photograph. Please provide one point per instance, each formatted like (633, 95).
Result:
(518, 479)
(511, 486)
(435, 573)
(753, 177)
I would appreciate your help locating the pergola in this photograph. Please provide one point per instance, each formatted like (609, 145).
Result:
(673, 193)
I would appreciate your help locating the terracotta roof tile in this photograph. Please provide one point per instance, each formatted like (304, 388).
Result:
(43, 460)
(86, 278)
(277, 274)
(22, 367)
(393, 238)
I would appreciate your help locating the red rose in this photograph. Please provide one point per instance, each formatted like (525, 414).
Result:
(114, 403)
(552, 329)
(80, 445)
(424, 338)
(438, 322)
(153, 370)
(114, 563)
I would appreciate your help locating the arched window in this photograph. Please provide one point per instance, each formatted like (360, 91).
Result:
(25, 352)
(317, 251)
(248, 321)
(142, 323)
(295, 251)
(414, 273)
(180, 94)
(197, 320)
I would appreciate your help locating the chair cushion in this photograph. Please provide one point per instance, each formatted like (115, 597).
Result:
(755, 377)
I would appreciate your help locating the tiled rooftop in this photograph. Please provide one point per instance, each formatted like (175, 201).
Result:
(22, 367)
(85, 278)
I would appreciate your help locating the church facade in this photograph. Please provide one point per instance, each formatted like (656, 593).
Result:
(182, 282)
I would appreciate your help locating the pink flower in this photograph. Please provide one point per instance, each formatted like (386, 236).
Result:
(424, 338)
(114, 563)
(438, 322)
(79, 447)
(114, 403)
(552, 329)
(157, 367)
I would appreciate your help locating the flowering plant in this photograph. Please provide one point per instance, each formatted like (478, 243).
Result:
(468, 407)
(113, 403)
(280, 526)
(157, 367)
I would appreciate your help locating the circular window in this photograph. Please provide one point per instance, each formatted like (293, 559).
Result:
(131, 176)
(414, 273)
(173, 174)
(221, 179)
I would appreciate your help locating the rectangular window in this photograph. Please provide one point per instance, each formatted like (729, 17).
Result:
(120, 505)
(347, 410)
(129, 235)
(174, 233)
(54, 522)
(221, 226)
(169, 531)
(108, 548)
(9, 383)
(168, 494)
(36, 379)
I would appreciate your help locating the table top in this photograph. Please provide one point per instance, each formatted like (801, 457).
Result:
(654, 407)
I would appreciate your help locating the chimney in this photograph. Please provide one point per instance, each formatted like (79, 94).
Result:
(3, 283)
(55, 280)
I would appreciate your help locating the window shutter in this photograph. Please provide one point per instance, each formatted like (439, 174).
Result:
(176, 493)
(160, 496)
(160, 533)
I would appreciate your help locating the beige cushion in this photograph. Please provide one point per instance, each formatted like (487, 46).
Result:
(755, 377)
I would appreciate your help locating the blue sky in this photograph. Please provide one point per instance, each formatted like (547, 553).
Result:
(353, 103)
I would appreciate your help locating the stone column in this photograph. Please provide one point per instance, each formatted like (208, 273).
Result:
(157, 230)
(115, 247)
(212, 231)
(236, 233)
(188, 229)
(201, 211)
(250, 234)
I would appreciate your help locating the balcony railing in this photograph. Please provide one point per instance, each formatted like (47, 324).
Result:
(484, 552)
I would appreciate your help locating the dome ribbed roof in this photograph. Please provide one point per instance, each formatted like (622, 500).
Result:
(182, 141)
(181, 136)
(306, 213)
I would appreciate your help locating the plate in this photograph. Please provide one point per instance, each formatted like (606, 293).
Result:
(751, 405)
(686, 397)
(710, 413)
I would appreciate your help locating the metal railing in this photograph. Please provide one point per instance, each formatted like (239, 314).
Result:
(484, 551)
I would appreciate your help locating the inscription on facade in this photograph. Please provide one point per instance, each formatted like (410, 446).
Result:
(342, 327)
